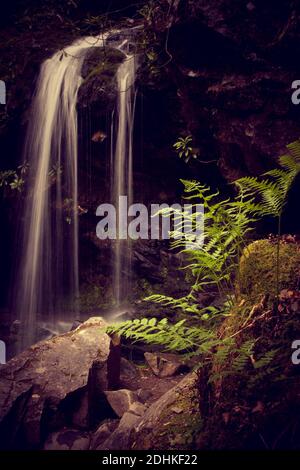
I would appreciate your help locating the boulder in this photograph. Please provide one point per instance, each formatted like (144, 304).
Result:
(257, 272)
(68, 439)
(121, 400)
(103, 432)
(165, 365)
(173, 411)
(144, 395)
(43, 385)
(81, 414)
(120, 438)
(129, 372)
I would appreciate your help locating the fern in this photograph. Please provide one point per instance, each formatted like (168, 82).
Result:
(266, 359)
(174, 337)
(215, 263)
(271, 192)
(243, 356)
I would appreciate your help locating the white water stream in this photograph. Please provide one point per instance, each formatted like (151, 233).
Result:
(48, 263)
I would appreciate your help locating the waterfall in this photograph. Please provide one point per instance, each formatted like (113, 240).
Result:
(48, 260)
(122, 171)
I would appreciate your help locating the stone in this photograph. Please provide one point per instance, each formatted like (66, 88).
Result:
(103, 433)
(128, 421)
(129, 372)
(176, 409)
(120, 438)
(155, 419)
(165, 365)
(114, 361)
(68, 439)
(143, 395)
(80, 417)
(40, 383)
(137, 408)
(120, 400)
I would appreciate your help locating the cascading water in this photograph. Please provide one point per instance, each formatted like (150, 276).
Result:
(48, 262)
(122, 171)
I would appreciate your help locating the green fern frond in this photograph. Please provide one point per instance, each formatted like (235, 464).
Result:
(173, 337)
(273, 190)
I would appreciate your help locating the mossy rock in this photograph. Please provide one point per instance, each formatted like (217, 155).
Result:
(172, 421)
(258, 268)
(101, 60)
(98, 73)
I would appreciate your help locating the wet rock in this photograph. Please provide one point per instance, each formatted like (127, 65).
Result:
(68, 439)
(98, 72)
(75, 325)
(15, 327)
(44, 384)
(121, 400)
(165, 365)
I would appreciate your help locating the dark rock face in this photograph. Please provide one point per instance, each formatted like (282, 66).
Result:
(98, 73)
(234, 66)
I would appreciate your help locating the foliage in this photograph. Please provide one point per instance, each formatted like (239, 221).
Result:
(254, 385)
(273, 188)
(14, 179)
(272, 191)
(214, 259)
(184, 149)
(174, 337)
(257, 273)
(215, 264)
(157, 17)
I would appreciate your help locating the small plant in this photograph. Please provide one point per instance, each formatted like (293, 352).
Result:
(184, 149)
(148, 11)
(14, 179)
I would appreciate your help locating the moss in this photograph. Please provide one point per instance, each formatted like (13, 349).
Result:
(174, 431)
(94, 296)
(105, 61)
(258, 268)
(98, 72)
(254, 403)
